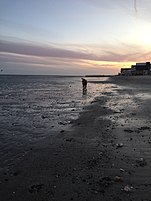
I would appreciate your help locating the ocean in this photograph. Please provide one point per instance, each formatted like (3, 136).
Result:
(35, 107)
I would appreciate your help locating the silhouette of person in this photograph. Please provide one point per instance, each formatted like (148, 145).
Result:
(84, 84)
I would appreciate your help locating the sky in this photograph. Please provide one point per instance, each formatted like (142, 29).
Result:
(68, 37)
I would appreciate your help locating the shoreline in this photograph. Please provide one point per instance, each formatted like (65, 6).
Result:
(104, 155)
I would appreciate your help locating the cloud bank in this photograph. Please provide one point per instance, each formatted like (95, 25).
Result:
(116, 55)
(71, 58)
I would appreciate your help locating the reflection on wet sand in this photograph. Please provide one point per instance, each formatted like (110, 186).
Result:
(84, 91)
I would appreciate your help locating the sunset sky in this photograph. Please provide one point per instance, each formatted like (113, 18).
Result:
(73, 37)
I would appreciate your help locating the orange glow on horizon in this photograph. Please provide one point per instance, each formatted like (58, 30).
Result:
(110, 64)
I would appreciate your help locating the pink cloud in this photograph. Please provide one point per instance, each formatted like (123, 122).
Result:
(105, 53)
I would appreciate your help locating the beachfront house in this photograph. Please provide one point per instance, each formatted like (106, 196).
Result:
(141, 68)
(126, 71)
(138, 69)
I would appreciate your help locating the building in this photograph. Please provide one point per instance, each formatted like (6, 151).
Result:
(141, 68)
(138, 69)
(125, 71)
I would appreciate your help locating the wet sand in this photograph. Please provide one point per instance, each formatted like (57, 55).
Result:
(104, 155)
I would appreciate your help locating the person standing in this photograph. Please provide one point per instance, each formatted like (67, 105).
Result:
(84, 83)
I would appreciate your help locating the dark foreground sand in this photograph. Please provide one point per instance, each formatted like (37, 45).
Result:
(104, 156)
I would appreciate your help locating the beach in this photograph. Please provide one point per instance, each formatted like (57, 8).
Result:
(104, 154)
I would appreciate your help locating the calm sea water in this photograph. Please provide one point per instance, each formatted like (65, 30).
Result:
(33, 107)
